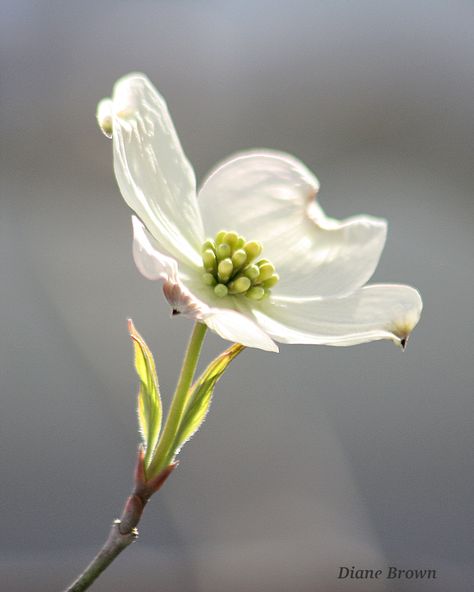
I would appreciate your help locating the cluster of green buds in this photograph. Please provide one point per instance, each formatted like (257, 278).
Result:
(231, 267)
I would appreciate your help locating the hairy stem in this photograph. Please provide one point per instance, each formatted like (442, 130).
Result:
(164, 452)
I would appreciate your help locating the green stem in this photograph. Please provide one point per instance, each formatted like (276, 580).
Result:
(164, 452)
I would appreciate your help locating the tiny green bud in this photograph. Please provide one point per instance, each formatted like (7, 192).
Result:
(240, 243)
(208, 244)
(231, 239)
(209, 260)
(253, 249)
(220, 236)
(256, 293)
(261, 262)
(208, 279)
(239, 258)
(240, 285)
(223, 251)
(266, 272)
(252, 272)
(272, 281)
(220, 290)
(225, 269)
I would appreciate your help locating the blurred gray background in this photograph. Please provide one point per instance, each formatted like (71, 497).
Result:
(311, 459)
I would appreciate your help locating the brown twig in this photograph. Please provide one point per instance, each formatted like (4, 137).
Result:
(124, 530)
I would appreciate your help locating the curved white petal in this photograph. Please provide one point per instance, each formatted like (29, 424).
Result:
(236, 327)
(379, 311)
(270, 196)
(150, 262)
(104, 116)
(226, 322)
(154, 176)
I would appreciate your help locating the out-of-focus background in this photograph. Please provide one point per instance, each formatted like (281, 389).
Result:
(312, 459)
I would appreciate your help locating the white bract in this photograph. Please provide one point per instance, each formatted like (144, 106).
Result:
(310, 286)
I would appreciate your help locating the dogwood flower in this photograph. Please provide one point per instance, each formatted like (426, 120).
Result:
(252, 255)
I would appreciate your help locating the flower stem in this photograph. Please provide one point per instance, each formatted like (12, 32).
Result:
(164, 452)
(147, 480)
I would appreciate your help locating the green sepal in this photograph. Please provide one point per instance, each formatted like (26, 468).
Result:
(200, 396)
(150, 409)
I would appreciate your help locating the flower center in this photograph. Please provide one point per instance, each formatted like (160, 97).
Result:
(231, 266)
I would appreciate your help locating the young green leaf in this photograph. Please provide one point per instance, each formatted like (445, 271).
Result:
(149, 401)
(200, 395)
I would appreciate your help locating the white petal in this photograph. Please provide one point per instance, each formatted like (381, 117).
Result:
(226, 322)
(270, 196)
(236, 327)
(154, 176)
(379, 311)
(150, 262)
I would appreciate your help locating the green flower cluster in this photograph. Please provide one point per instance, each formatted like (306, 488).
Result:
(231, 267)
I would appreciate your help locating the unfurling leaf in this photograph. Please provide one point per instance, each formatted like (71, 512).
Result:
(200, 395)
(149, 401)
